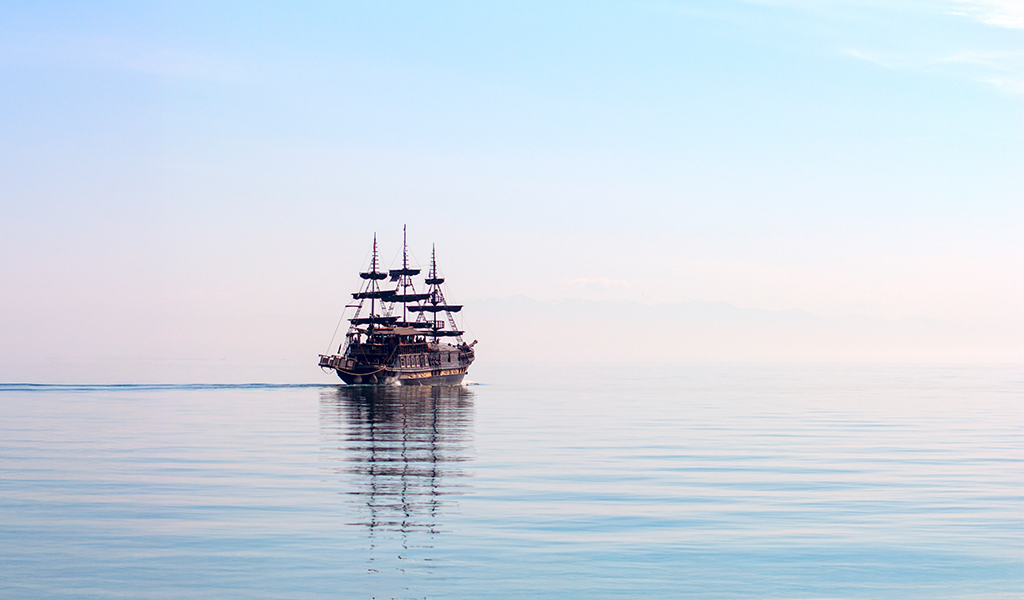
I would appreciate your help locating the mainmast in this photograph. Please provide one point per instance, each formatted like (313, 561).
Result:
(404, 291)
(433, 276)
(372, 278)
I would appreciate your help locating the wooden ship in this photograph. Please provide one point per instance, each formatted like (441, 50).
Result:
(400, 335)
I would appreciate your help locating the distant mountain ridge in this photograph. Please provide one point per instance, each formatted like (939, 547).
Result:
(521, 328)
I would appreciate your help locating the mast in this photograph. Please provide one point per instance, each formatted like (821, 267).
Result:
(373, 282)
(433, 275)
(371, 291)
(403, 279)
(405, 265)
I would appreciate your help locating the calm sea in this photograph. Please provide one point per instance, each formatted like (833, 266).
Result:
(692, 481)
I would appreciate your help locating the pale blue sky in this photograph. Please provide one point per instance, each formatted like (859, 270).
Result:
(221, 167)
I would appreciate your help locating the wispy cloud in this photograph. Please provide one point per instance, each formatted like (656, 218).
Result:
(1001, 13)
(934, 36)
(1004, 69)
(1001, 68)
(984, 59)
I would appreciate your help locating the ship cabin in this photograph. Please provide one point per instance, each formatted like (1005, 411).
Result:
(415, 352)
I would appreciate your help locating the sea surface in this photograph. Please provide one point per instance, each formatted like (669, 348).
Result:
(570, 481)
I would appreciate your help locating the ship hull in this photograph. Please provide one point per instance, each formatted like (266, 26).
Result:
(427, 378)
(357, 373)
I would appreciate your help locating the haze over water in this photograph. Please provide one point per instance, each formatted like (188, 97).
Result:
(700, 481)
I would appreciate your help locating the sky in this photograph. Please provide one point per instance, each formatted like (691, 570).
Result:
(201, 180)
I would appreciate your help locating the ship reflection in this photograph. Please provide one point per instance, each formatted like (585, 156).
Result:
(399, 450)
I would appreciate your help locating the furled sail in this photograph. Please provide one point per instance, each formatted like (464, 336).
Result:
(408, 297)
(373, 320)
(396, 273)
(433, 308)
(375, 294)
